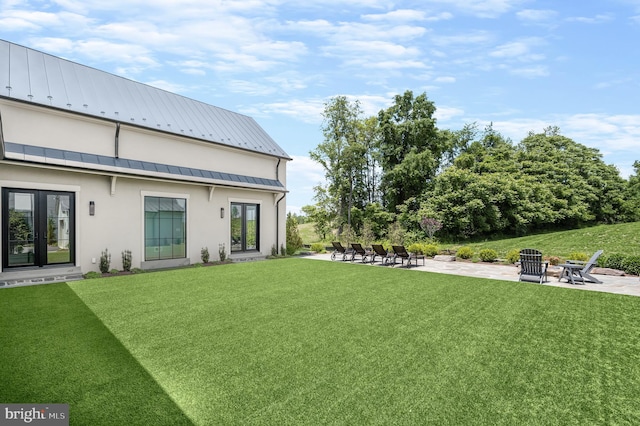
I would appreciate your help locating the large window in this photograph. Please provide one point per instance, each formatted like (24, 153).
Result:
(245, 227)
(165, 225)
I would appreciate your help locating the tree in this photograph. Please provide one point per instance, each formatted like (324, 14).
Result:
(294, 241)
(321, 219)
(342, 155)
(411, 149)
(632, 195)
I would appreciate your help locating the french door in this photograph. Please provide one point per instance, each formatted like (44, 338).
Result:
(38, 228)
(245, 227)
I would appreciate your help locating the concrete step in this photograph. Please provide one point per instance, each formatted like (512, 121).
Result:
(247, 257)
(35, 276)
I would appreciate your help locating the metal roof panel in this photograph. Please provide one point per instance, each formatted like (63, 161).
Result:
(33, 76)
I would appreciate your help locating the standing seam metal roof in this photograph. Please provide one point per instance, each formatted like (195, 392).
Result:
(39, 78)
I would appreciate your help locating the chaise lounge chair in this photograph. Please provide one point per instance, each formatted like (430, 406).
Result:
(532, 268)
(575, 270)
(402, 253)
(358, 250)
(339, 251)
(379, 251)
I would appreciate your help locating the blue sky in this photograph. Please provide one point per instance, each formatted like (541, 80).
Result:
(521, 64)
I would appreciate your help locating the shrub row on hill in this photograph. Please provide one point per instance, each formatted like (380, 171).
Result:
(630, 264)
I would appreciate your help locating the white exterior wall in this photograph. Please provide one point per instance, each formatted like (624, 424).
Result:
(34, 125)
(118, 223)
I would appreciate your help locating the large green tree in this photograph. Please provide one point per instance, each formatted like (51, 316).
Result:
(547, 180)
(411, 148)
(632, 195)
(343, 157)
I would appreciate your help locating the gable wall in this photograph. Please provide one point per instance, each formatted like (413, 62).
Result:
(32, 125)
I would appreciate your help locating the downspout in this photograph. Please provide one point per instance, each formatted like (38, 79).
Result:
(278, 207)
(278, 221)
(1, 140)
(117, 141)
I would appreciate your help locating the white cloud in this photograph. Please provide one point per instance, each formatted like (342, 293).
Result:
(530, 72)
(468, 38)
(520, 50)
(445, 79)
(482, 8)
(598, 19)
(536, 15)
(306, 170)
(447, 113)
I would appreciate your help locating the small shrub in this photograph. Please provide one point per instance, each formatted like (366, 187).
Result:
(488, 255)
(137, 271)
(465, 252)
(274, 251)
(578, 255)
(513, 256)
(105, 261)
(283, 250)
(317, 248)
(613, 261)
(631, 265)
(222, 252)
(126, 260)
(114, 271)
(554, 260)
(415, 248)
(204, 255)
(291, 250)
(92, 274)
(430, 250)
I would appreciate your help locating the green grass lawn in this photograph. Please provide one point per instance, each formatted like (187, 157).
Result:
(294, 341)
(621, 238)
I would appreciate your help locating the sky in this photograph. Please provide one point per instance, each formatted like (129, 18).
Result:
(522, 65)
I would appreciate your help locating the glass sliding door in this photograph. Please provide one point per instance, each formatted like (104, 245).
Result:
(245, 227)
(38, 228)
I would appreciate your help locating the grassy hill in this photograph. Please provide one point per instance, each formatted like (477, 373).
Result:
(621, 238)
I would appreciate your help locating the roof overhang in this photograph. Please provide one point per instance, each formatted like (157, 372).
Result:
(122, 166)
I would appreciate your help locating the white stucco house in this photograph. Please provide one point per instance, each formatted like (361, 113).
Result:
(92, 161)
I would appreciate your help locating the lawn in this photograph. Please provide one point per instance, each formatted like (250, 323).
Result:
(295, 341)
(623, 238)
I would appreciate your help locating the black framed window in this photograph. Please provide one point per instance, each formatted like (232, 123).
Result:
(165, 226)
(245, 227)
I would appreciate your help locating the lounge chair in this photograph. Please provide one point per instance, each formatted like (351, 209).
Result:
(358, 250)
(403, 254)
(532, 268)
(575, 270)
(340, 252)
(379, 251)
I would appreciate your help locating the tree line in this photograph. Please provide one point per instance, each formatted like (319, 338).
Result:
(388, 174)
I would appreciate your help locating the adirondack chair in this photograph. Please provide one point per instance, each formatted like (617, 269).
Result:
(379, 251)
(340, 252)
(532, 268)
(575, 270)
(358, 250)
